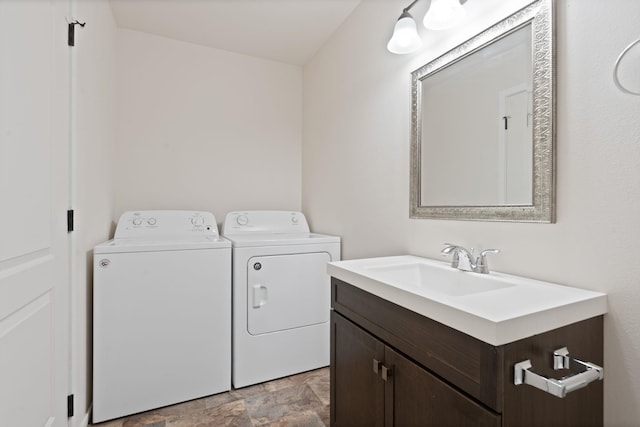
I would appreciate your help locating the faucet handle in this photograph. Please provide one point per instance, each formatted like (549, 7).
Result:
(489, 251)
(481, 262)
(449, 248)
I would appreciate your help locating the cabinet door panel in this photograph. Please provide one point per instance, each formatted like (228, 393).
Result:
(417, 398)
(357, 397)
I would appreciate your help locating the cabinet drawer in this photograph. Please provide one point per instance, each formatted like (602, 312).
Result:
(464, 361)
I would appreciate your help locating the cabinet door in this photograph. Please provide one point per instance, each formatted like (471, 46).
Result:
(414, 397)
(357, 393)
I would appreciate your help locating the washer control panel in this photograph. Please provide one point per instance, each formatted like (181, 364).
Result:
(245, 222)
(140, 224)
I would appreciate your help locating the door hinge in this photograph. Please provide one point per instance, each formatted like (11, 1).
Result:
(71, 36)
(70, 406)
(70, 215)
(506, 122)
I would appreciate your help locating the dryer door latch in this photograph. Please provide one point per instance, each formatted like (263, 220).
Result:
(259, 295)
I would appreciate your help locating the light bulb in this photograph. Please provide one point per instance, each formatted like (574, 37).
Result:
(443, 14)
(405, 38)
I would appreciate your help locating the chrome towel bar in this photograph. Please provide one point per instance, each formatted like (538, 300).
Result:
(588, 372)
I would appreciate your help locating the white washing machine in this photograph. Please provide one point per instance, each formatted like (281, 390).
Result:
(281, 295)
(161, 313)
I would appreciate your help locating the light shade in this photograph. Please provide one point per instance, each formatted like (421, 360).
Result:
(405, 38)
(443, 14)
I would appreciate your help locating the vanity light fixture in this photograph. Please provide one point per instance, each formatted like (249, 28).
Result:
(442, 14)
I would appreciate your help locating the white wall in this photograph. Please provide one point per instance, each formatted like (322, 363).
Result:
(356, 166)
(201, 128)
(95, 127)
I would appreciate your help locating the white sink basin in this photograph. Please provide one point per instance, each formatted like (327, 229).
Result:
(425, 277)
(496, 308)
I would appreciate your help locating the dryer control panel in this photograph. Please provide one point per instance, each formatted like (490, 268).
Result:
(174, 223)
(279, 222)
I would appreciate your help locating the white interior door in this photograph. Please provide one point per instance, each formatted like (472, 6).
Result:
(34, 96)
(516, 147)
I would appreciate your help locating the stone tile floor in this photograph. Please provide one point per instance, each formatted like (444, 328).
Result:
(298, 401)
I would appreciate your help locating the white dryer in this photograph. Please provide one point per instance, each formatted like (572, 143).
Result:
(281, 295)
(161, 313)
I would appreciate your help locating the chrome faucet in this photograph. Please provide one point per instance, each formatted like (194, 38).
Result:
(463, 258)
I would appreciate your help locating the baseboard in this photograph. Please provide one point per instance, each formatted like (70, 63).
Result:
(85, 419)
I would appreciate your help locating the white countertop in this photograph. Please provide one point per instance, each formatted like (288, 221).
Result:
(496, 308)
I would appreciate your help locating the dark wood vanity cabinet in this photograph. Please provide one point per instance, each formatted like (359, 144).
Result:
(364, 397)
(393, 367)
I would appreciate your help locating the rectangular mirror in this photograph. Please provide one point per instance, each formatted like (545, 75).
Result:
(482, 143)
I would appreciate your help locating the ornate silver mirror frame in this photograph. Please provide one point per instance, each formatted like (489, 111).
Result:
(542, 209)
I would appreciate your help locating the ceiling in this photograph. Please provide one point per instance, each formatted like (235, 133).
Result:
(289, 31)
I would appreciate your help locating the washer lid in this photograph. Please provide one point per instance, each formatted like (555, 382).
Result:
(280, 239)
(161, 244)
